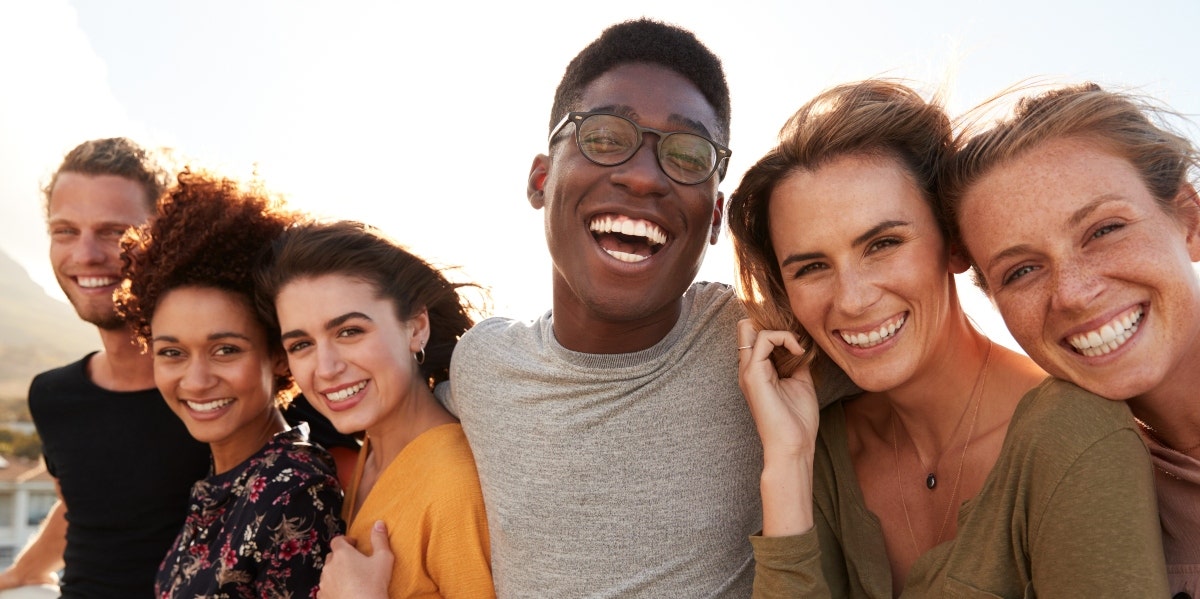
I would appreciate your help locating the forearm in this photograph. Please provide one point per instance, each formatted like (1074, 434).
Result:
(786, 487)
(42, 557)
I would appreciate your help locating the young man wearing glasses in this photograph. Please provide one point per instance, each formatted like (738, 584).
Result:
(616, 452)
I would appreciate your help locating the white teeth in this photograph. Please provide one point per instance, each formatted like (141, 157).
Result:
(610, 223)
(208, 406)
(89, 282)
(1109, 336)
(346, 393)
(625, 257)
(875, 337)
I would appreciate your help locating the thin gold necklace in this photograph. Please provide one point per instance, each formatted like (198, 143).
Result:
(1157, 439)
(977, 394)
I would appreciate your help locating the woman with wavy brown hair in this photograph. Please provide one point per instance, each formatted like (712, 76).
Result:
(260, 524)
(950, 474)
(368, 329)
(1080, 215)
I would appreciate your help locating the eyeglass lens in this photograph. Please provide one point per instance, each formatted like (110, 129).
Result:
(609, 140)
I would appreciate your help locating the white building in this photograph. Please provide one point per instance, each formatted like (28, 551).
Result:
(26, 496)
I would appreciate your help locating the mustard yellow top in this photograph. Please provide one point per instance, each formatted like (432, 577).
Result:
(430, 499)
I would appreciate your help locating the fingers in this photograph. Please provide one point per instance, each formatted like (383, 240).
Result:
(342, 543)
(379, 539)
(754, 344)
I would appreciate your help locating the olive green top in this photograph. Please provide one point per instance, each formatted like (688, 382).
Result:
(1067, 511)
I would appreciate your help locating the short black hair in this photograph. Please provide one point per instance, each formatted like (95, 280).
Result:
(646, 41)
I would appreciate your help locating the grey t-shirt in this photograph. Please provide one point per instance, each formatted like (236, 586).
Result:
(623, 475)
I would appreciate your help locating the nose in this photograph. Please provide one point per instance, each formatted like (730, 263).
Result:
(641, 174)
(90, 249)
(197, 378)
(855, 293)
(1076, 286)
(329, 362)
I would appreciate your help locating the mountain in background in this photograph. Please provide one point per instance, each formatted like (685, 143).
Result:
(37, 332)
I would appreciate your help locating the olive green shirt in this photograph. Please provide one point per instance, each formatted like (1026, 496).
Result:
(1068, 510)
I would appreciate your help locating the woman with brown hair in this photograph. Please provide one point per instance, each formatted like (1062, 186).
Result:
(1080, 216)
(368, 329)
(950, 474)
(260, 524)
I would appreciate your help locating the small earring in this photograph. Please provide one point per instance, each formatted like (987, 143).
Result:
(420, 356)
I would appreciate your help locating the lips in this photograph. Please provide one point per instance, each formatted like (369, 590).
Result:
(1108, 337)
(627, 239)
(875, 336)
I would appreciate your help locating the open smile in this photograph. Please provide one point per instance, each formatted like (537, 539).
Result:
(1109, 336)
(207, 409)
(344, 393)
(627, 239)
(875, 336)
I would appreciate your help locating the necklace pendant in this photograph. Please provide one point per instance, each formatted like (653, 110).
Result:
(930, 481)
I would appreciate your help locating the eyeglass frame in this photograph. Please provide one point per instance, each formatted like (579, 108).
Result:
(577, 117)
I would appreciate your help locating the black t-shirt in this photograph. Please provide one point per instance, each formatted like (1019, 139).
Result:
(125, 464)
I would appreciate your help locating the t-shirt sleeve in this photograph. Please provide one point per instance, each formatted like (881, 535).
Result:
(787, 567)
(1098, 535)
(459, 554)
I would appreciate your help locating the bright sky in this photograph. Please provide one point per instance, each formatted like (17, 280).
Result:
(424, 119)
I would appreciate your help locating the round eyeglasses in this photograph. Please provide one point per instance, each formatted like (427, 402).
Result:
(608, 140)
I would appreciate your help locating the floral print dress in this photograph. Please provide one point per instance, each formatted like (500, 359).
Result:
(261, 530)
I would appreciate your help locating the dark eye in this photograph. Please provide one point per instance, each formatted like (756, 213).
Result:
(1017, 273)
(881, 244)
(349, 332)
(63, 232)
(298, 346)
(168, 352)
(808, 269)
(1106, 229)
(226, 350)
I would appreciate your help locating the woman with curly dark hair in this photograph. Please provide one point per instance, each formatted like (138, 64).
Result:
(368, 329)
(261, 523)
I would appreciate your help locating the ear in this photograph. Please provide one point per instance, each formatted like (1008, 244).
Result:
(959, 262)
(718, 218)
(536, 185)
(418, 327)
(1188, 207)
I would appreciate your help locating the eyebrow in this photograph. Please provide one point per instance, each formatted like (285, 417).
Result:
(860, 240)
(102, 225)
(212, 337)
(1074, 220)
(675, 119)
(1079, 215)
(329, 324)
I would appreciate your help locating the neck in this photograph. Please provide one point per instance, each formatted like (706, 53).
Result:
(248, 441)
(1171, 410)
(580, 328)
(419, 412)
(122, 365)
(932, 405)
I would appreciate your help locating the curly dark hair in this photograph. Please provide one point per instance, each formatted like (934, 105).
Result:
(362, 252)
(646, 41)
(117, 156)
(208, 232)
